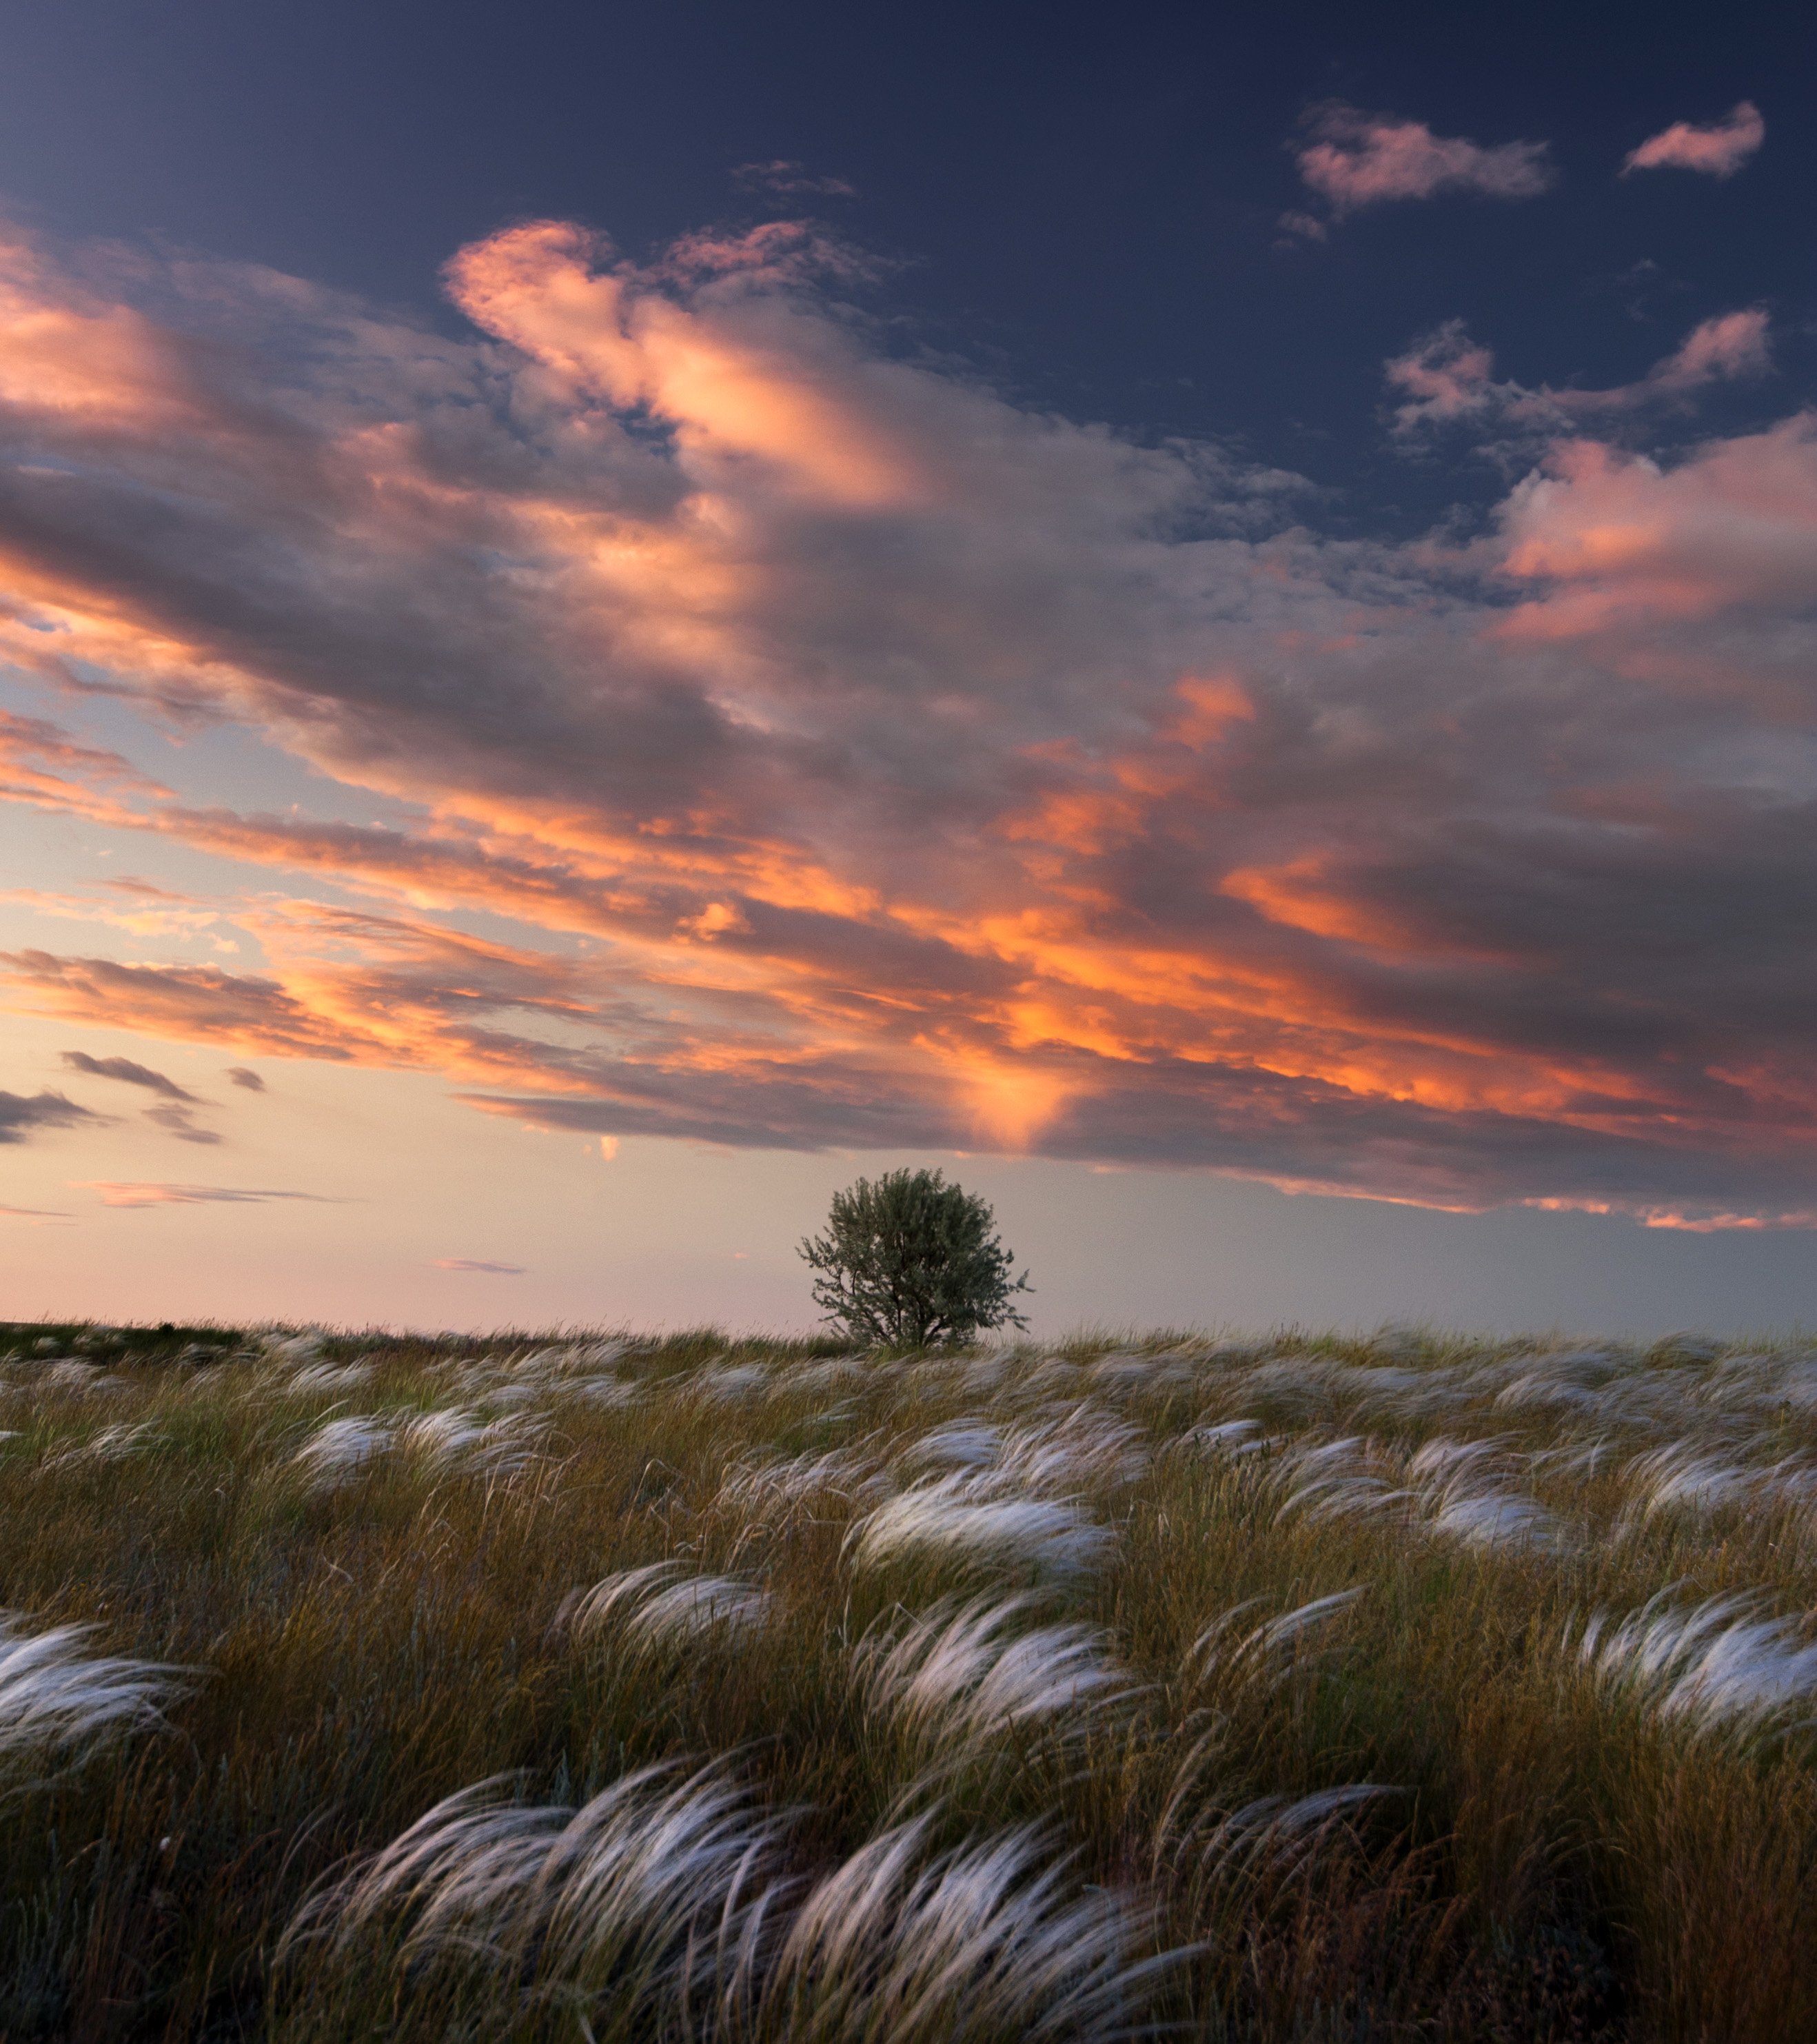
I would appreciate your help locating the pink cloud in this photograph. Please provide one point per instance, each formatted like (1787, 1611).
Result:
(1444, 377)
(1732, 345)
(1615, 542)
(1719, 150)
(1449, 379)
(1354, 160)
(128, 1073)
(478, 1264)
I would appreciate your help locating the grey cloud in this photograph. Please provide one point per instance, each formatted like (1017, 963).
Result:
(128, 1073)
(791, 179)
(178, 1121)
(22, 1114)
(828, 1105)
(243, 1075)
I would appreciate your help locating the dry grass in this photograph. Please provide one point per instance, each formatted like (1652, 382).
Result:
(357, 1687)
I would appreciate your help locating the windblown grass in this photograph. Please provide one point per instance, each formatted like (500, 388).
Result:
(592, 1688)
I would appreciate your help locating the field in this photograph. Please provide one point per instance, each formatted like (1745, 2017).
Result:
(358, 1686)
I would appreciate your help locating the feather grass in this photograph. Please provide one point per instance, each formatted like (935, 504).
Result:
(570, 1684)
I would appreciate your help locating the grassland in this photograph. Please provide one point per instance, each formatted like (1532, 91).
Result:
(354, 1686)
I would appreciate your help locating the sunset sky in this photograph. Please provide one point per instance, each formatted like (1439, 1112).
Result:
(1202, 617)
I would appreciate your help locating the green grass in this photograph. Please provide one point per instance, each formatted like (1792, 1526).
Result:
(1416, 1811)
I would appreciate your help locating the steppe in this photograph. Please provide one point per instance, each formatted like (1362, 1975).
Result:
(588, 1686)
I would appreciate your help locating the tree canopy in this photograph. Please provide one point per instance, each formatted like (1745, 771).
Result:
(908, 1261)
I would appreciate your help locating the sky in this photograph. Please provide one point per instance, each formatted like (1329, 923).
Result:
(1202, 618)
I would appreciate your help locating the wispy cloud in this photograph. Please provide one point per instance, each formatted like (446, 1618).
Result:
(479, 1264)
(1448, 379)
(791, 179)
(126, 1192)
(1718, 150)
(179, 1122)
(242, 1076)
(144, 912)
(45, 768)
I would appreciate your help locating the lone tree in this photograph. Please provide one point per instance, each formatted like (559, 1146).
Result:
(911, 1260)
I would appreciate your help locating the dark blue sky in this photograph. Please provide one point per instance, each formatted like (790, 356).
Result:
(1085, 199)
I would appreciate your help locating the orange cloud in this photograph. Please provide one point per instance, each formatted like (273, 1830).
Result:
(42, 766)
(730, 391)
(1300, 896)
(192, 1003)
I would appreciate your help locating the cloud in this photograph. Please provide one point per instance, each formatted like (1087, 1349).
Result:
(242, 1075)
(183, 1003)
(791, 179)
(838, 754)
(119, 1193)
(130, 905)
(34, 1214)
(176, 1117)
(128, 1073)
(20, 1114)
(1448, 379)
(1603, 544)
(45, 768)
(1718, 350)
(178, 1121)
(1308, 226)
(1719, 150)
(1352, 159)
(476, 1263)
